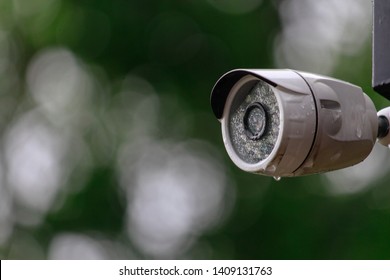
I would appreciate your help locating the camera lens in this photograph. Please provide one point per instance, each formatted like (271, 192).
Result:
(255, 121)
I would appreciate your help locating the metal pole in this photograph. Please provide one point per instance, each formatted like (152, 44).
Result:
(381, 48)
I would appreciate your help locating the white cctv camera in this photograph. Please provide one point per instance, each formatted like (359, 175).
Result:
(289, 123)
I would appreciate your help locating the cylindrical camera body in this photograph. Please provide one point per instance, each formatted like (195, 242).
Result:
(289, 123)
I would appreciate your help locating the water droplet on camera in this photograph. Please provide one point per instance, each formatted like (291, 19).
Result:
(335, 156)
(308, 164)
(359, 132)
(336, 114)
(271, 168)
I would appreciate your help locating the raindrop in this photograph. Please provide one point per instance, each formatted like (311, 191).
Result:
(335, 156)
(271, 168)
(309, 163)
(336, 115)
(359, 132)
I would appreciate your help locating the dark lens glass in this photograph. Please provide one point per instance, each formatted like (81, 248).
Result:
(255, 121)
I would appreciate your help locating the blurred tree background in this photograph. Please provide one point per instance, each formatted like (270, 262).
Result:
(109, 148)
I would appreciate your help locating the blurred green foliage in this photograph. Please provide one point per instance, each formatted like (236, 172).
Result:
(181, 48)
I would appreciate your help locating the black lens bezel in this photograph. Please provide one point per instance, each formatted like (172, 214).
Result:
(248, 132)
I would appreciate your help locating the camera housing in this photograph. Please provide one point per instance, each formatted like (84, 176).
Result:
(289, 123)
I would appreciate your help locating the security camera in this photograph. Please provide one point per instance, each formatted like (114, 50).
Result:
(289, 123)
